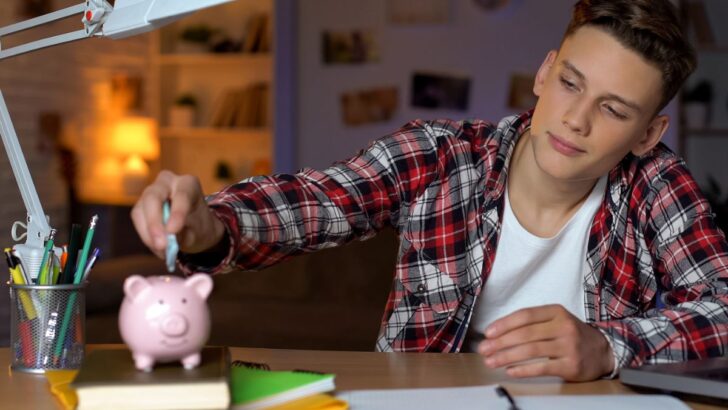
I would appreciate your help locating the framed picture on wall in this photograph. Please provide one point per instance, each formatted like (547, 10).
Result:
(520, 94)
(440, 91)
(418, 11)
(367, 106)
(349, 47)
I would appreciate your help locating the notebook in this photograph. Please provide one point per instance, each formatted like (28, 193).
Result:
(108, 379)
(255, 386)
(705, 377)
(486, 397)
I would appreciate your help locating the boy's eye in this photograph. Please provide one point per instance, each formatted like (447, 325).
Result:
(568, 84)
(616, 113)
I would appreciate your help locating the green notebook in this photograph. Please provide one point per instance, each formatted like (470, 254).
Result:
(254, 386)
(109, 380)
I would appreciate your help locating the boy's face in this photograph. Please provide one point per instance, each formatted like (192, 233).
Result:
(596, 104)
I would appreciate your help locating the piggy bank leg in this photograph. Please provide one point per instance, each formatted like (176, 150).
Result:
(143, 362)
(191, 361)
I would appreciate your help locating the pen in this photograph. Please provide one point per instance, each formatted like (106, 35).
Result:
(43, 273)
(68, 268)
(90, 264)
(78, 277)
(502, 392)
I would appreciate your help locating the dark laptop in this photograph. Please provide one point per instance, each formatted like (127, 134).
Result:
(705, 377)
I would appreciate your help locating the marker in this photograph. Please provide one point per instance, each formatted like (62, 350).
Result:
(19, 264)
(18, 279)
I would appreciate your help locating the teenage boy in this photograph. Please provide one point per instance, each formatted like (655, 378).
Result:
(568, 234)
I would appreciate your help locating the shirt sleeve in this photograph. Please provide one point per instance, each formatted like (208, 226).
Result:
(690, 261)
(270, 218)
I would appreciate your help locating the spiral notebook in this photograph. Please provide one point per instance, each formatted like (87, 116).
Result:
(255, 386)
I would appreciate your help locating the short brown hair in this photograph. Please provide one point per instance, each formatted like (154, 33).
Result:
(649, 27)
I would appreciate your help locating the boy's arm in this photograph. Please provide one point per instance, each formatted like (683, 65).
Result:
(270, 218)
(690, 257)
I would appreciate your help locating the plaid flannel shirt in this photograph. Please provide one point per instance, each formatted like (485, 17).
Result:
(657, 281)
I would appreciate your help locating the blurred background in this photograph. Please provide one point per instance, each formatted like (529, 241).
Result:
(261, 86)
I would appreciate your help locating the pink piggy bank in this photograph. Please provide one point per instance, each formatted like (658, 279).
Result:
(165, 318)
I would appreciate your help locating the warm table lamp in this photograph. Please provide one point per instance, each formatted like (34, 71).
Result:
(134, 139)
(100, 19)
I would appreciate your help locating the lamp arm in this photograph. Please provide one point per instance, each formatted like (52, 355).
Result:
(125, 18)
(37, 225)
(94, 13)
(38, 228)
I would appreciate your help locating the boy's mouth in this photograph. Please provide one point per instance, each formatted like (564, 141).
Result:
(563, 146)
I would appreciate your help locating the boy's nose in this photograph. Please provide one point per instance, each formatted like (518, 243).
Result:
(576, 118)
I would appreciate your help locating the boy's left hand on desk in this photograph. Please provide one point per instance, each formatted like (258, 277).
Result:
(575, 350)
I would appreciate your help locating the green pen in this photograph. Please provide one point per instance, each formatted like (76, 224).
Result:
(43, 273)
(84, 252)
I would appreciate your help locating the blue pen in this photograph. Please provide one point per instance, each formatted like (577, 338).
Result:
(92, 260)
(172, 245)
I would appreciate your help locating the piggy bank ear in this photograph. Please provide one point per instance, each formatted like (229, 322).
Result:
(134, 285)
(201, 283)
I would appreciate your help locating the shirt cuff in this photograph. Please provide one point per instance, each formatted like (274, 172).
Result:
(217, 259)
(615, 356)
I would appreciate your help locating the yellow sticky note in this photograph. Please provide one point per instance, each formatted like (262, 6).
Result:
(60, 384)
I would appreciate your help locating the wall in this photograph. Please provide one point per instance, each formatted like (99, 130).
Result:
(707, 155)
(72, 80)
(487, 47)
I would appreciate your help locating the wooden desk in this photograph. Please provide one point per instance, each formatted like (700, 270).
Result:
(354, 370)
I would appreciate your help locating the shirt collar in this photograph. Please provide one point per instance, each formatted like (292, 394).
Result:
(504, 141)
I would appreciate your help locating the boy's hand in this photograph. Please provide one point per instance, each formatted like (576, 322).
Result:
(575, 350)
(193, 222)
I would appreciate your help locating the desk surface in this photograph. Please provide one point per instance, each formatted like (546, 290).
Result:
(354, 370)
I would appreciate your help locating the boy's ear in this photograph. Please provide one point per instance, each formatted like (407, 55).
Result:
(653, 135)
(543, 72)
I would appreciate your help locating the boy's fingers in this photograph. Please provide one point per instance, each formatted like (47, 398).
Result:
(520, 318)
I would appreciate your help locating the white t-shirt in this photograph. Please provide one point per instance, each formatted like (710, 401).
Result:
(531, 271)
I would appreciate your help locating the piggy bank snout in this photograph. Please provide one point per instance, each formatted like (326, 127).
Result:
(174, 325)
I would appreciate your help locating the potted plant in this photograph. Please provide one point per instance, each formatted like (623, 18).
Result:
(182, 114)
(696, 105)
(195, 39)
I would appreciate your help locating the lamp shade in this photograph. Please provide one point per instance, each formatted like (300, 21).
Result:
(135, 136)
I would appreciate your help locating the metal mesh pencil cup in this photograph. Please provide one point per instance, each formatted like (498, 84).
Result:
(47, 327)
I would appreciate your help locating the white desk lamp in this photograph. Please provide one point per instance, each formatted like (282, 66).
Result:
(100, 19)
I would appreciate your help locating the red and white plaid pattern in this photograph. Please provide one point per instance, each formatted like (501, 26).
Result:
(440, 184)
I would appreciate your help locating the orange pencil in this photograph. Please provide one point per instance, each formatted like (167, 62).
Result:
(64, 256)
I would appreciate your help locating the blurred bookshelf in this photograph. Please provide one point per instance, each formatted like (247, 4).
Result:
(214, 75)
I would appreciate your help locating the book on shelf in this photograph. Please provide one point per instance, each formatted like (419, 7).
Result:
(108, 379)
(257, 34)
(243, 107)
(254, 386)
